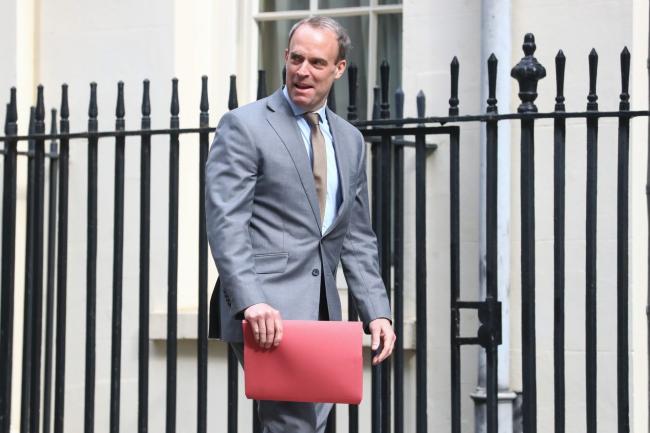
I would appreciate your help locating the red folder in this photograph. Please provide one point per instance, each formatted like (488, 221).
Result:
(316, 361)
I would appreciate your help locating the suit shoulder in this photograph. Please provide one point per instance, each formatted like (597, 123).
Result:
(344, 126)
(249, 112)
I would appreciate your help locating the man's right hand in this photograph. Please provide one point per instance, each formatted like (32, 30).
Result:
(266, 323)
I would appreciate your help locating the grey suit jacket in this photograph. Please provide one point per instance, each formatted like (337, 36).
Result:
(263, 221)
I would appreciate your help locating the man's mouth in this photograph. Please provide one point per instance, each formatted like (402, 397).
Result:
(302, 86)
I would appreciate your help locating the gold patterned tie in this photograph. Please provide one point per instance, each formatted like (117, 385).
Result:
(319, 160)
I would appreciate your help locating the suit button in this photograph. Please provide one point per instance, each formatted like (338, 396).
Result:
(315, 272)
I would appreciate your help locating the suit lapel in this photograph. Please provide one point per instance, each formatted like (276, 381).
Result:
(282, 120)
(342, 163)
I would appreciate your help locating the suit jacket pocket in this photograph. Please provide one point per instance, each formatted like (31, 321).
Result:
(271, 263)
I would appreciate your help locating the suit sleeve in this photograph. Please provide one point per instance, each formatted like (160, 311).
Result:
(359, 255)
(231, 175)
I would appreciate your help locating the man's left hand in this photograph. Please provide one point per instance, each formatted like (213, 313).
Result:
(381, 330)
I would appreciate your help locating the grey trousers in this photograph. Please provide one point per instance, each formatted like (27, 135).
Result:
(287, 416)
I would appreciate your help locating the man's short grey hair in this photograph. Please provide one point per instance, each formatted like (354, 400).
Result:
(321, 22)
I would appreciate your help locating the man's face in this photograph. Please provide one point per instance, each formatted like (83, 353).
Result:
(312, 66)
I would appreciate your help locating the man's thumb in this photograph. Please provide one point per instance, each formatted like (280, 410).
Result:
(374, 340)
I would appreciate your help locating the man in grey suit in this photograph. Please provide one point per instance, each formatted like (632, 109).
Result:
(286, 201)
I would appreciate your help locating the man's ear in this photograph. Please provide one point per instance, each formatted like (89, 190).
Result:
(340, 68)
(286, 55)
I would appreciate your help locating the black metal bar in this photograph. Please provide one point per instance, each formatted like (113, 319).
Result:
(49, 303)
(261, 84)
(353, 409)
(398, 278)
(62, 267)
(145, 230)
(622, 267)
(257, 426)
(37, 311)
(377, 203)
(8, 264)
(591, 224)
(386, 237)
(202, 343)
(559, 134)
(420, 278)
(172, 266)
(29, 288)
(91, 267)
(233, 364)
(491, 222)
(454, 241)
(528, 72)
(118, 259)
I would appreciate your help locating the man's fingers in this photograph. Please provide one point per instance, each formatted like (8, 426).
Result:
(278, 331)
(262, 335)
(270, 331)
(374, 338)
(388, 342)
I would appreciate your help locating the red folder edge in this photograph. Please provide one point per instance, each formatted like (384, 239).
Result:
(316, 361)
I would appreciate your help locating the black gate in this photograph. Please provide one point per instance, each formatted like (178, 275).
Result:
(46, 271)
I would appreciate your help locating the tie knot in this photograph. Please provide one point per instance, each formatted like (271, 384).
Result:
(312, 119)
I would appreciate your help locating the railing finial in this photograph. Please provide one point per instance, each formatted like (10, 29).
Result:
(625, 80)
(592, 105)
(205, 105)
(232, 94)
(528, 72)
(453, 100)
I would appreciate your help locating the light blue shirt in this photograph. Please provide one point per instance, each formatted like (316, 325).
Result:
(333, 196)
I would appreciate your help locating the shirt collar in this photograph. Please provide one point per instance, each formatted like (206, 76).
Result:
(297, 111)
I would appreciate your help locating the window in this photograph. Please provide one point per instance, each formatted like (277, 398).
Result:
(375, 28)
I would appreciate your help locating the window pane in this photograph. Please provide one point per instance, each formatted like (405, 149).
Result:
(357, 28)
(390, 2)
(329, 4)
(273, 41)
(283, 5)
(389, 48)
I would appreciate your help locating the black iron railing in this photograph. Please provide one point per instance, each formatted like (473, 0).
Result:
(387, 138)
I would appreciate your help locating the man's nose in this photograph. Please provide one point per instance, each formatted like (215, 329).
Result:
(303, 69)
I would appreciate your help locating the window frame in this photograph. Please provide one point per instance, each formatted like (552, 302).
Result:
(373, 10)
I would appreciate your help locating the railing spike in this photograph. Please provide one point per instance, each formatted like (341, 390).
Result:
(92, 106)
(13, 106)
(420, 101)
(331, 99)
(560, 62)
(232, 95)
(146, 102)
(592, 105)
(65, 109)
(384, 72)
(261, 84)
(205, 106)
(625, 80)
(399, 103)
(119, 109)
(492, 83)
(375, 103)
(53, 131)
(40, 104)
(352, 91)
(174, 110)
(453, 100)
